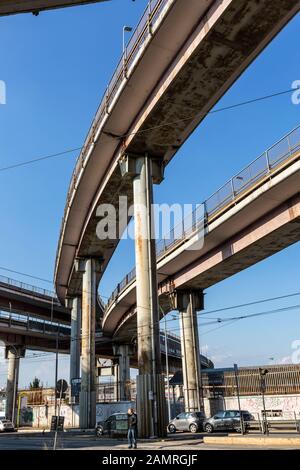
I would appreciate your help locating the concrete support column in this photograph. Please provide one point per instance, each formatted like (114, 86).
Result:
(75, 305)
(150, 384)
(188, 302)
(13, 354)
(87, 400)
(122, 372)
(117, 391)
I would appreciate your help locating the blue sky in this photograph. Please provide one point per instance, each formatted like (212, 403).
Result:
(56, 67)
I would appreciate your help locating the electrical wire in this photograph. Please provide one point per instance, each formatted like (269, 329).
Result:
(39, 159)
(167, 124)
(2, 268)
(218, 321)
(201, 313)
(214, 111)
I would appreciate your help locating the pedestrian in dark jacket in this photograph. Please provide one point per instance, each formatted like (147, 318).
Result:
(132, 429)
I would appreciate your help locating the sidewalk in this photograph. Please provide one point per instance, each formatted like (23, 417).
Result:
(279, 440)
(36, 432)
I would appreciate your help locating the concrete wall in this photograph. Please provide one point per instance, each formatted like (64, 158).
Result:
(288, 404)
(39, 416)
(2, 407)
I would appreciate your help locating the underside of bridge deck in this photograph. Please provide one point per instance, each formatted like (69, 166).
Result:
(11, 7)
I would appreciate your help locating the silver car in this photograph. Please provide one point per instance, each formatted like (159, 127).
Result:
(6, 426)
(192, 422)
(226, 421)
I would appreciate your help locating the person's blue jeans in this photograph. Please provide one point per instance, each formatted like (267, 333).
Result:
(131, 437)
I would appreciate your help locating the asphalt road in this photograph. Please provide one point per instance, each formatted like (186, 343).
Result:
(28, 441)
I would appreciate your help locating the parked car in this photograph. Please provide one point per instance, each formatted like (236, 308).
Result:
(192, 422)
(116, 424)
(6, 425)
(226, 421)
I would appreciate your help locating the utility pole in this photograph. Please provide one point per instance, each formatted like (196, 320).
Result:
(262, 374)
(238, 397)
(56, 370)
(167, 368)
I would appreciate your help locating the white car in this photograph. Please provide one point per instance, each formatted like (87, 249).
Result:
(6, 426)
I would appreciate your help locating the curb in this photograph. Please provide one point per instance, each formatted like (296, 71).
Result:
(253, 441)
(91, 432)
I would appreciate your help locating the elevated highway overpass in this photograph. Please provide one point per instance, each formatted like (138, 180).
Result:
(12, 7)
(21, 332)
(35, 301)
(182, 58)
(167, 80)
(254, 215)
(17, 329)
(41, 335)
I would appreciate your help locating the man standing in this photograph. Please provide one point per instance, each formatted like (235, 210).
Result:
(132, 429)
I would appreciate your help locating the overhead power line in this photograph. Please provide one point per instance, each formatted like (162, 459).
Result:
(2, 268)
(166, 124)
(200, 313)
(39, 159)
(213, 111)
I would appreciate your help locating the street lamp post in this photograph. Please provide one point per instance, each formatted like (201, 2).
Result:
(56, 369)
(126, 29)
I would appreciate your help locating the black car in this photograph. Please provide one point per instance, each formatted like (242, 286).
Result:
(116, 424)
(227, 421)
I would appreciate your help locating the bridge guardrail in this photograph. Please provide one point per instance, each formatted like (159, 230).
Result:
(141, 34)
(28, 287)
(35, 324)
(266, 164)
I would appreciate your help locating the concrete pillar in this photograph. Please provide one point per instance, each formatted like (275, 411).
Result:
(88, 267)
(117, 391)
(122, 372)
(188, 302)
(75, 305)
(150, 382)
(13, 355)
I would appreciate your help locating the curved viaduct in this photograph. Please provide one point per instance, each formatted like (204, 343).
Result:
(167, 80)
(168, 75)
(253, 216)
(12, 7)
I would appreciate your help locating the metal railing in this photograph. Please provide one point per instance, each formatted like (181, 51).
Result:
(142, 34)
(28, 287)
(34, 324)
(239, 185)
